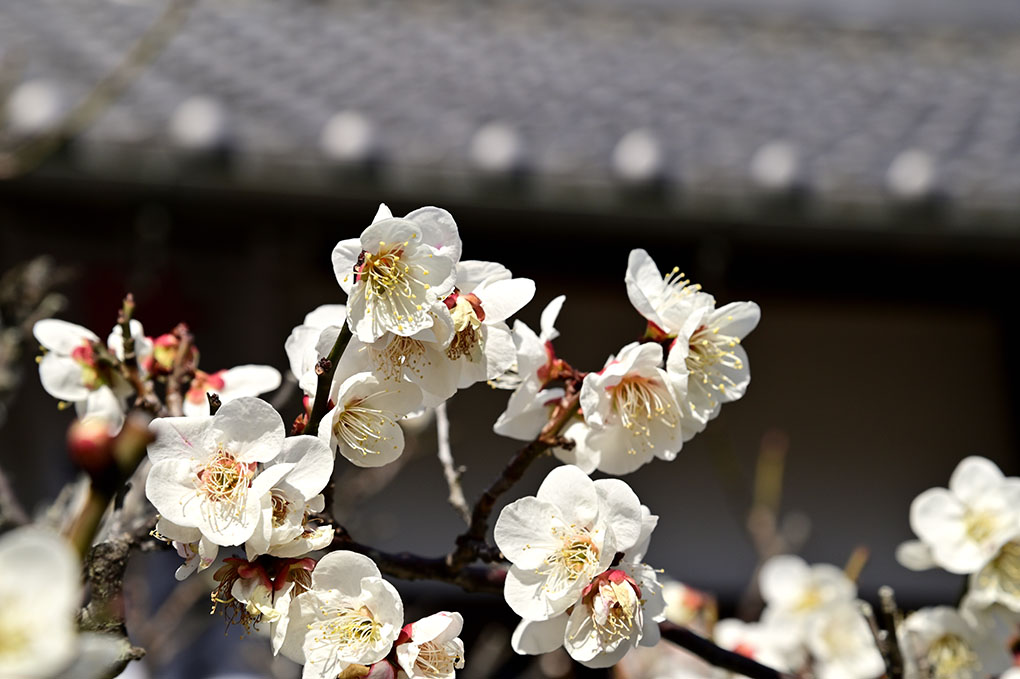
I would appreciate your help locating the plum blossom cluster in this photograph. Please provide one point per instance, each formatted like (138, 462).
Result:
(244, 496)
(650, 397)
(247, 498)
(576, 577)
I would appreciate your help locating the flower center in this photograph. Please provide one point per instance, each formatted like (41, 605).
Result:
(677, 287)
(225, 481)
(979, 526)
(810, 600)
(400, 353)
(614, 607)
(1003, 571)
(577, 557)
(950, 657)
(360, 427)
(92, 376)
(709, 351)
(389, 281)
(640, 402)
(14, 636)
(280, 507)
(346, 630)
(466, 312)
(437, 660)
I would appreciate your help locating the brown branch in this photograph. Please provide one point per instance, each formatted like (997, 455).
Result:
(325, 370)
(471, 543)
(451, 472)
(407, 566)
(716, 656)
(145, 397)
(889, 620)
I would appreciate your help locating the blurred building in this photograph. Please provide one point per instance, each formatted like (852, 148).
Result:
(854, 167)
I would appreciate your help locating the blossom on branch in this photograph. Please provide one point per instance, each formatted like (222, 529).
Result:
(244, 380)
(311, 340)
(632, 406)
(348, 616)
(362, 426)
(560, 539)
(431, 648)
(73, 370)
(205, 470)
(396, 271)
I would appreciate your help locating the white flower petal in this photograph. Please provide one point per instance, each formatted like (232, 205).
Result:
(180, 438)
(523, 531)
(61, 377)
(502, 299)
(573, 493)
(534, 637)
(60, 336)
(249, 429)
(344, 571)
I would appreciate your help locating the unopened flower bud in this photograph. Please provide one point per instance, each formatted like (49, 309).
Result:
(90, 445)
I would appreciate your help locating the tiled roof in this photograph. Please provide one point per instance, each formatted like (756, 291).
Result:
(575, 101)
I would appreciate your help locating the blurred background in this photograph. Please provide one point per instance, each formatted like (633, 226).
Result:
(851, 166)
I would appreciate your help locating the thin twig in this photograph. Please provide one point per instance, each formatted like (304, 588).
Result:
(471, 543)
(183, 368)
(407, 566)
(889, 620)
(719, 657)
(450, 469)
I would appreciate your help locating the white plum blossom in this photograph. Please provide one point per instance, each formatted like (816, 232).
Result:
(348, 616)
(619, 608)
(947, 646)
(205, 470)
(766, 643)
(671, 304)
(198, 551)
(485, 296)
(362, 425)
(843, 645)
(560, 539)
(531, 404)
(311, 340)
(431, 648)
(795, 593)
(713, 362)
(244, 380)
(704, 341)
(965, 526)
(70, 371)
(467, 342)
(632, 408)
(396, 271)
(998, 581)
(40, 593)
(283, 528)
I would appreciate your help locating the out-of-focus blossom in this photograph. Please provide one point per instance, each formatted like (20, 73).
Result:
(244, 380)
(965, 526)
